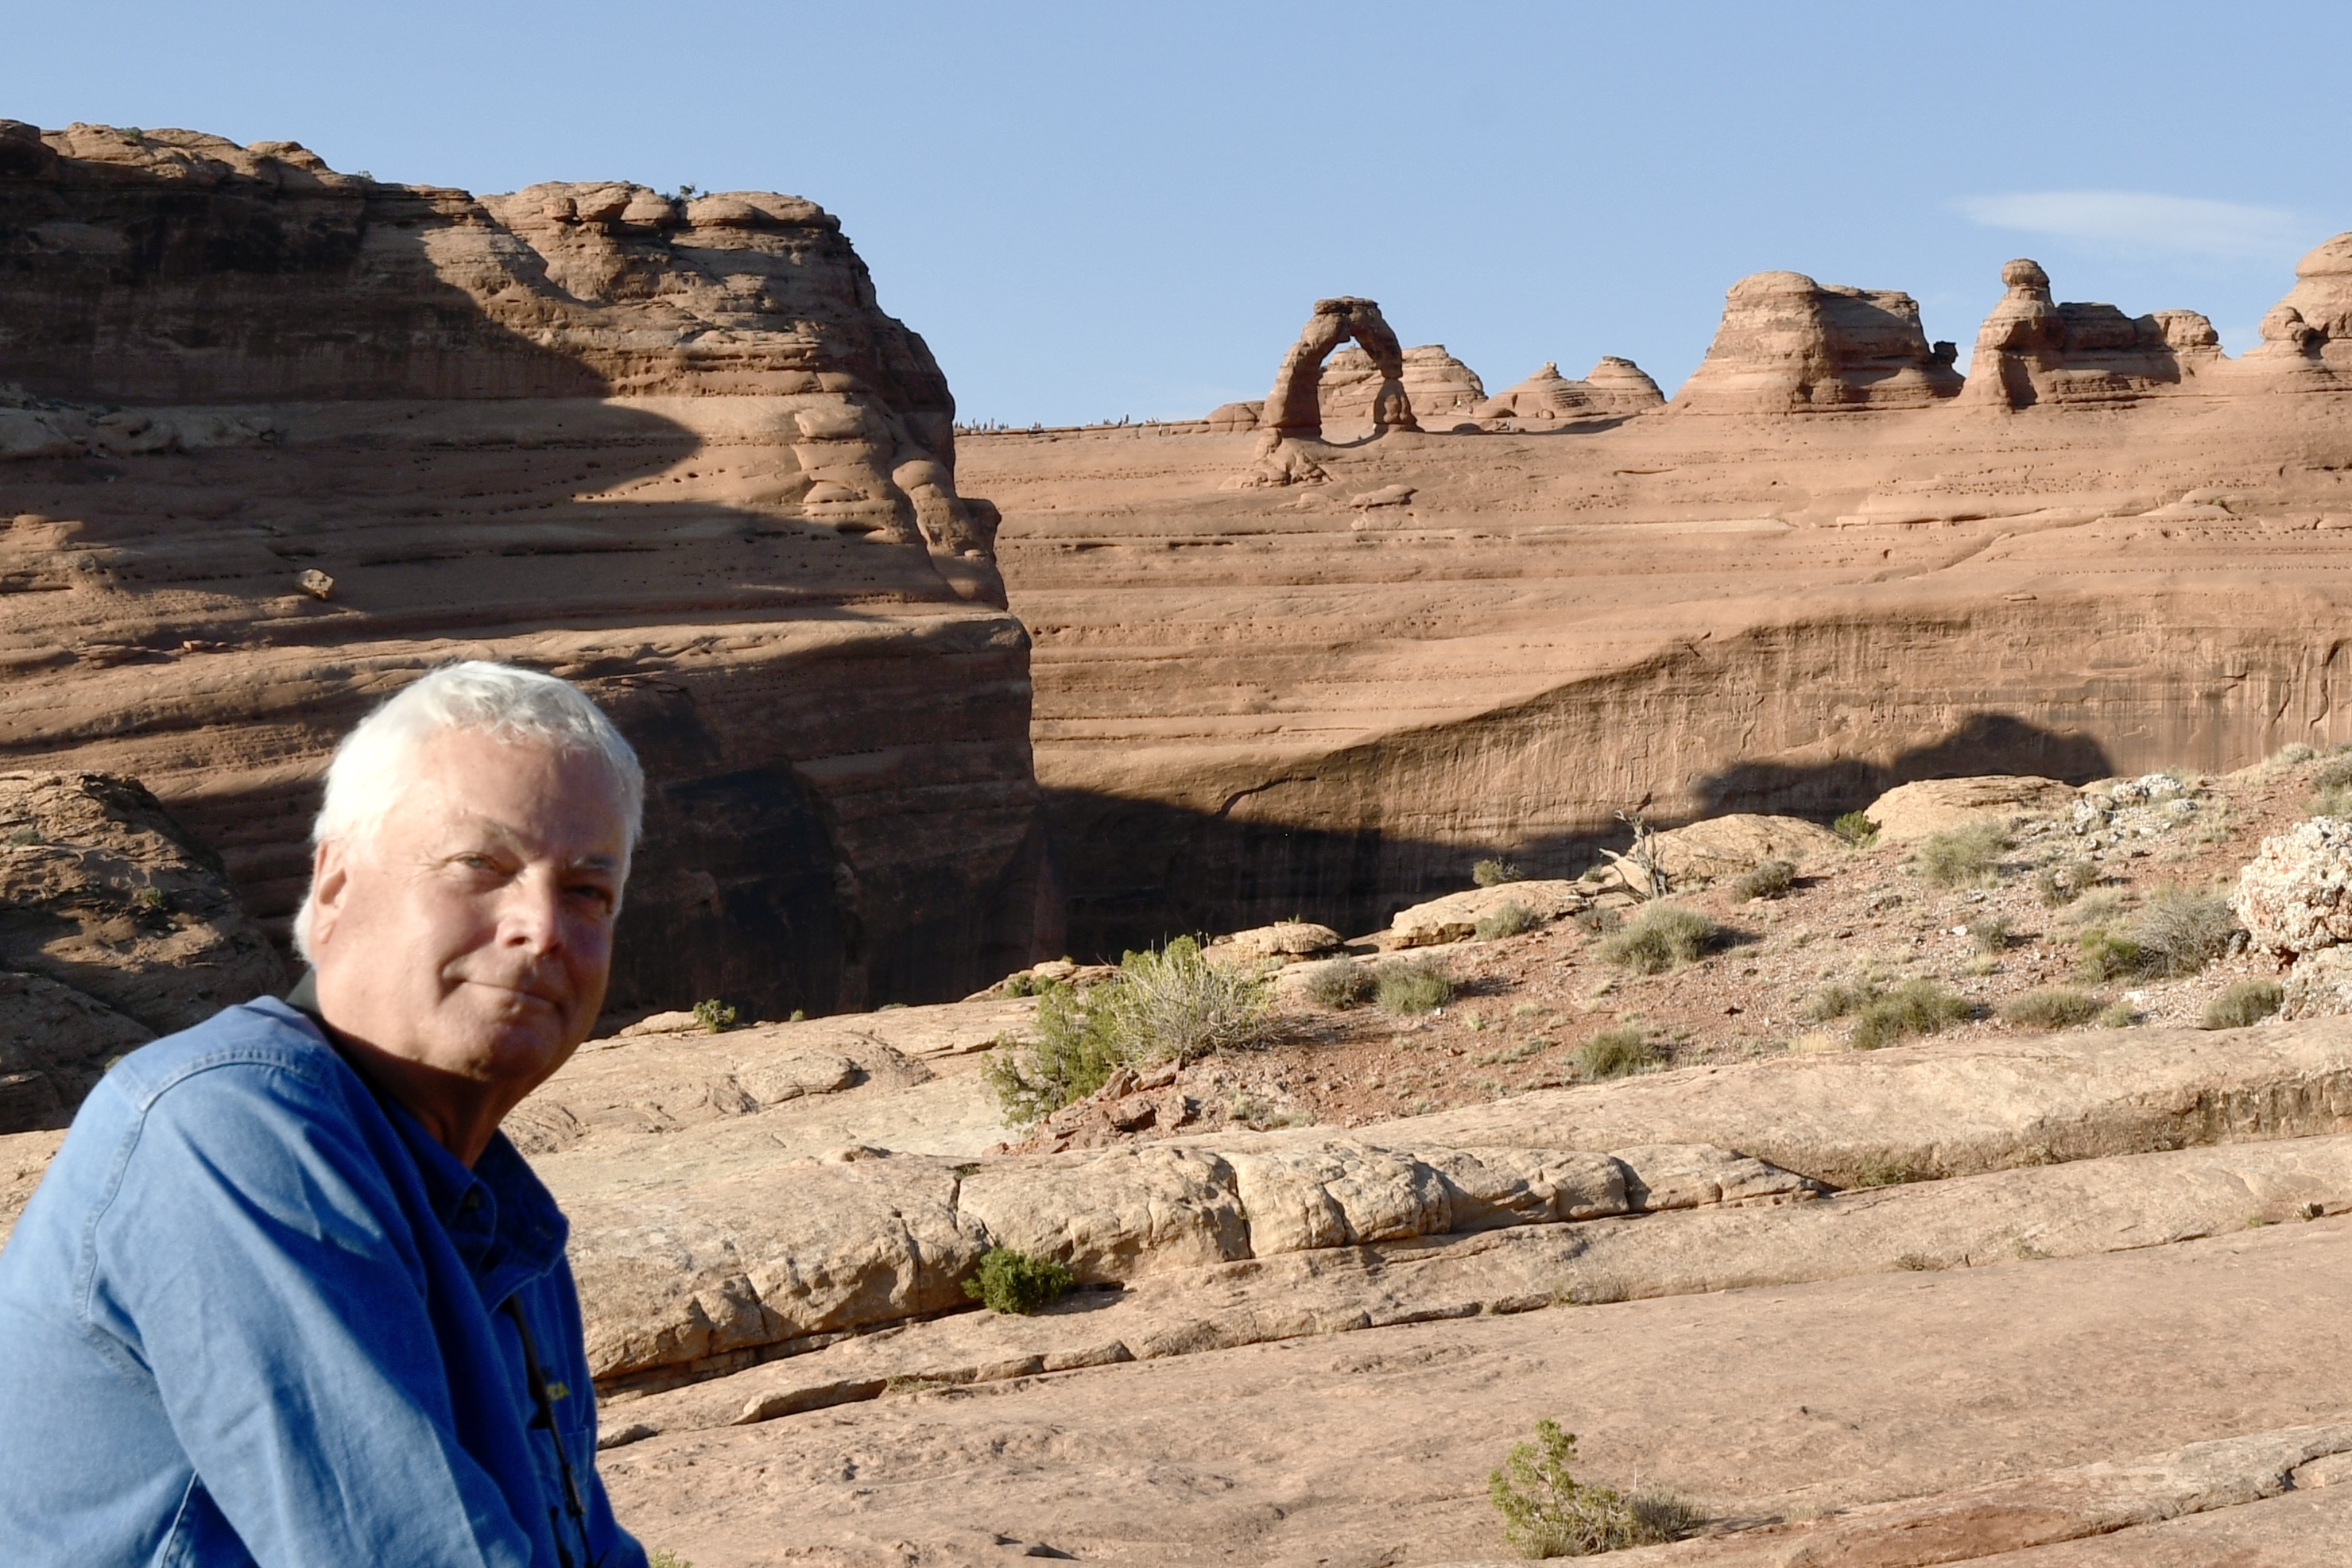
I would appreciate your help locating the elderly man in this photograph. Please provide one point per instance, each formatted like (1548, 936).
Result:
(286, 1295)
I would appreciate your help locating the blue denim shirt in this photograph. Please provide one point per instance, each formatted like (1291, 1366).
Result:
(254, 1314)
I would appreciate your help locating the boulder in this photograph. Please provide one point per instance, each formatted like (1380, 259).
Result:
(1789, 345)
(1455, 916)
(1337, 1195)
(1284, 942)
(2308, 335)
(1728, 845)
(2319, 985)
(2295, 895)
(1615, 387)
(1113, 1214)
(1909, 812)
(1231, 418)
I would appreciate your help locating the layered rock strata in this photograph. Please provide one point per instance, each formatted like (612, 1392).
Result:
(1614, 387)
(1294, 409)
(283, 438)
(2034, 350)
(1789, 345)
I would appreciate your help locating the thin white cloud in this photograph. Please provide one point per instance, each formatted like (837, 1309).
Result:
(2140, 220)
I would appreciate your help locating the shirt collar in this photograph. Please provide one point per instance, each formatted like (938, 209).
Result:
(502, 1217)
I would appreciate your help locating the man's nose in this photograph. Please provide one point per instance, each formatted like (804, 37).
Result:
(532, 914)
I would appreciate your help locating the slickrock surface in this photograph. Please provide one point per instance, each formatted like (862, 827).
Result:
(275, 438)
(1260, 704)
(1775, 1403)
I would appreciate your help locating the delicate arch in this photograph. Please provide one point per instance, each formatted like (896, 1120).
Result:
(1294, 408)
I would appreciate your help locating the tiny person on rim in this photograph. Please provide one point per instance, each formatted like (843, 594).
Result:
(286, 1296)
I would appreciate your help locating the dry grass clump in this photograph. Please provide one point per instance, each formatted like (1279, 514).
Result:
(1663, 936)
(2243, 1003)
(1494, 873)
(1992, 933)
(1504, 920)
(1337, 983)
(1915, 1007)
(2053, 1006)
(1548, 1512)
(1615, 1053)
(2106, 956)
(1770, 880)
(1838, 999)
(1411, 986)
(1964, 856)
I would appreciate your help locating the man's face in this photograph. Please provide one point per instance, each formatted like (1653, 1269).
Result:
(472, 934)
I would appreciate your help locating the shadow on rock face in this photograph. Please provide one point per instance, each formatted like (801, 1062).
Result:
(1981, 743)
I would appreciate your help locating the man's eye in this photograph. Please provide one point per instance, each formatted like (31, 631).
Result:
(595, 893)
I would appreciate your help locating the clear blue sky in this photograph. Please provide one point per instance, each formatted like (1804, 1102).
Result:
(1106, 209)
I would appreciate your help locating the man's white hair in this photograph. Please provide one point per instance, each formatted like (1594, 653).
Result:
(372, 767)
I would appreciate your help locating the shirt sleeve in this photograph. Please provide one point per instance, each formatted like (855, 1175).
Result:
(254, 1262)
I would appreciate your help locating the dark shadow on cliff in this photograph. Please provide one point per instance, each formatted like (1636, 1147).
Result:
(236, 293)
(1137, 873)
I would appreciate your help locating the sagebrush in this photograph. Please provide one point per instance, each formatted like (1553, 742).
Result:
(1915, 1007)
(1174, 1004)
(1857, 829)
(1506, 920)
(1494, 873)
(1337, 983)
(1770, 880)
(1962, 856)
(2064, 881)
(2243, 1002)
(1615, 1053)
(1548, 1512)
(2180, 931)
(1412, 986)
(2053, 1006)
(1663, 936)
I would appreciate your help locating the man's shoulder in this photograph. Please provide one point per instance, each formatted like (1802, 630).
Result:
(236, 1046)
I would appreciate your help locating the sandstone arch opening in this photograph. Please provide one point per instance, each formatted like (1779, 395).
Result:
(1294, 409)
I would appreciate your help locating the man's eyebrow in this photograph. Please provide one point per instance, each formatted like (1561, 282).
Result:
(597, 863)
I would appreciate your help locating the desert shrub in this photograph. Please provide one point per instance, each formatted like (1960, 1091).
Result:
(2335, 802)
(1770, 880)
(1172, 1004)
(1548, 1512)
(1915, 1007)
(1857, 829)
(1991, 932)
(1614, 1053)
(1029, 984)
(2053, 1006)
(2066, 881)
(1337, 983)
(1017, 1282)
(2291, 754)
(1836, 1001)
(2122, 1015)
(2109, 956)
(1963, 855)
(1414, 986)
(663, 1557)
(1496, 873)
(715, 1016)
(2243, 1003)
(1504, 920)
(1664, 936)
(1882, 1173)
(2336, 773)
(2180, 931)
(1600, 919)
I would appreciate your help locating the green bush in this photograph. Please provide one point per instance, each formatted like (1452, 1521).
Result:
(2179, 931)
(1915, 1007)
(1412, 986)
(2243, 1002)
(1548, 1512)
(1964, 855)
(1770, 880)
(1504, 920)
(1496, 873)
(1337, 983)
(1663, 936)
(1857, 829)
(1017, 1282)
(2053, 1006)
(1170, 1004)
(2108, 957)
(715, 1016)
(663, 1557)
(1614, 1053)
(2063, 883)
(1027, 984)
(2336, 773)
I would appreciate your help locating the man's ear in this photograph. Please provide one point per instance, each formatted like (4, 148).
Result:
(331, 878)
